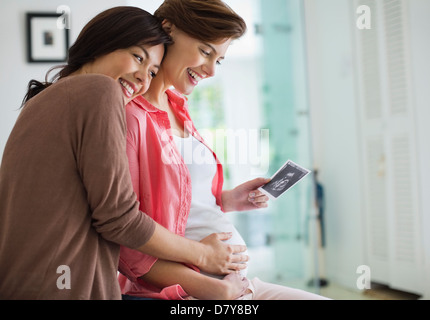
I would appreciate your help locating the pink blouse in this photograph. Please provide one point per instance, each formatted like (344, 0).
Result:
(162, 183)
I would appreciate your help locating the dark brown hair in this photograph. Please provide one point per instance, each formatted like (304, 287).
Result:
(205, 20)
(116, 28)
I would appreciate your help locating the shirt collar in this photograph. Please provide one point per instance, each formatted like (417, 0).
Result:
(144, 104)
(177, 100)
(179, 106)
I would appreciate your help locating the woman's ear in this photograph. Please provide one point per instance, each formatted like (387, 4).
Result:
(167, 26)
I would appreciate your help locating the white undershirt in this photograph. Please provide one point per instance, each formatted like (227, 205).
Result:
(205, 215)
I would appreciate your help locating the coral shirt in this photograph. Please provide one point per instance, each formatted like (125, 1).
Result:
(162, 183)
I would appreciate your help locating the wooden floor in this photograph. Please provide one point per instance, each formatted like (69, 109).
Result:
(377, 292)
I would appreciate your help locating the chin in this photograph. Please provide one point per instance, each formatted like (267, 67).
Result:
(187, 91)
(183, 88)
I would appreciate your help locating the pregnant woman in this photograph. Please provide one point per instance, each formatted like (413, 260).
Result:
(176, 176)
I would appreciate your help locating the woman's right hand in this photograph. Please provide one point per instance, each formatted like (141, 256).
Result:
(236, 286)
(220, 258)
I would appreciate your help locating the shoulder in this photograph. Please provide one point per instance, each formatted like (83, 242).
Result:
(137, 117)
(135, 110)
(92, 86)
(93, 81)
(93, 91)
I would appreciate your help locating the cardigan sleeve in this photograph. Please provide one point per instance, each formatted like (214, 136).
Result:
(100, 151)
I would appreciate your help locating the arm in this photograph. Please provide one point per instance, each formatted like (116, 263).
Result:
(245, 196)
(211, 254)
(99, 130)
(167, 273)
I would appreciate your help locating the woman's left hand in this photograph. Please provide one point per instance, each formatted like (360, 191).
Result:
(245, 196)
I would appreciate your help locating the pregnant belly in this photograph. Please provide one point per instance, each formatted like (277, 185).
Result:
(209, 222)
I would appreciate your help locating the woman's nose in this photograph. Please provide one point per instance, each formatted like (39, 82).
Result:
(143, 79)
(209, 69)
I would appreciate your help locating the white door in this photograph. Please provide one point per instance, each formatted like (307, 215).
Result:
(388, 143)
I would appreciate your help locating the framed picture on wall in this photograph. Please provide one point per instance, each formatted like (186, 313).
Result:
(47, 38)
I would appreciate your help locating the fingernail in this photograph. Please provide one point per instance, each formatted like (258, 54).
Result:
(252, 195)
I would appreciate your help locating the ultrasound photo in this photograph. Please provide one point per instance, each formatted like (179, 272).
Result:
(286, 177)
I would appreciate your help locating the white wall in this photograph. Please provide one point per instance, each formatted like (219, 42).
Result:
(15, 71)
(148, 5)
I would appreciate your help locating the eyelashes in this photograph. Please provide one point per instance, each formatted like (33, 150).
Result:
(207, 54)
(139, 58)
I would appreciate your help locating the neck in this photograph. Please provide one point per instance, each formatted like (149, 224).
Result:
(87, 68)
(156, 94)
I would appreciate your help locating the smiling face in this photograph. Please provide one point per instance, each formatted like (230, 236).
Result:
(133, 68)
(188, 60)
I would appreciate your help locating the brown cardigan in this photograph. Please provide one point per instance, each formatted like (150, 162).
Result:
(66, 197)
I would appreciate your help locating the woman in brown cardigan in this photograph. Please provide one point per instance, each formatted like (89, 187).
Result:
(66, 198)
